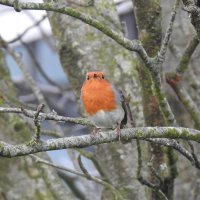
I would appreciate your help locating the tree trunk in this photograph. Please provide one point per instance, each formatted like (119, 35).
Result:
(83, 48)
(148, 16)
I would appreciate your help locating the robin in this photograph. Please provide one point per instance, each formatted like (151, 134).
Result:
(103, 103)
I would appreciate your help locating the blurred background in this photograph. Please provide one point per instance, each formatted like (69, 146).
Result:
(29, 33)
(43, 47)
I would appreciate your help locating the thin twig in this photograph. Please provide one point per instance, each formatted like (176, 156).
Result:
(186, 57)
(37, 121)
(97, 165)
(28, 29)
(51, 133)
(163, 102)
(46, 116)
(82, 167)
(39, 68)
(155, 173)
(196, 160)
(194, 83)
(174, 144)
(163, 49)
(173, 79)
(84, 175)
(139, 169)
(38, 95)
(141, 179)
(185, 98)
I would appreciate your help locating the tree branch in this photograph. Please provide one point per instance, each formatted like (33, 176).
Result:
(84, 175)
(163, 49)
(174, 144)
(9, 150)
(31, 82)
(191, 7)
(27, 30)
(46, 116)
(142, 180)
(90, 156)
(172, 79)
(37, 122)
(40, 68)
(163, 102)
(132, 45)
(186, 57)
(196, 160)
(148, 133)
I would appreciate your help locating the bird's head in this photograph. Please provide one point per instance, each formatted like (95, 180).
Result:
(95, 75)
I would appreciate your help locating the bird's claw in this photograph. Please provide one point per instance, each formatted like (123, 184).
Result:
(33, 142)
(118, 131)
(96, 131)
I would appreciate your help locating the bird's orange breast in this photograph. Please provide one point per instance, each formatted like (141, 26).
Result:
(98, 94)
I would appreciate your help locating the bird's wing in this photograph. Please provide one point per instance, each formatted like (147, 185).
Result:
(124, 106)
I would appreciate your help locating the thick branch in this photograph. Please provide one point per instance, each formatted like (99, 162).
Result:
(8, 150)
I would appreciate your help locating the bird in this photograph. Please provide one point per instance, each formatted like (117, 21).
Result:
(103, 103)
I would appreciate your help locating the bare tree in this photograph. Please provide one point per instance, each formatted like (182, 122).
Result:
(158, 73)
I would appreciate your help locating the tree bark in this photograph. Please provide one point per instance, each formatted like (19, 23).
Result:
(148, 16)
(81, 49)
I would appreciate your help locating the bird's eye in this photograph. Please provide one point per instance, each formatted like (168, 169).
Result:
(102, 76)
(88, 77)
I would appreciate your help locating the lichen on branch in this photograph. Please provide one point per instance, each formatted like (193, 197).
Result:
(8, 150)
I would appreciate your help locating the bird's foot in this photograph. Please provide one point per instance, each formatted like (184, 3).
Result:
(34, 141)
(96, 131)
(118, 131)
